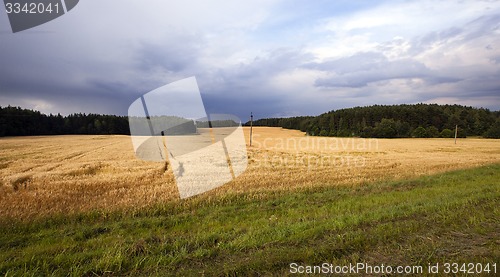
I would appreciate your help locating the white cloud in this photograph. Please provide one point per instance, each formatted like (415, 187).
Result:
(366, 29)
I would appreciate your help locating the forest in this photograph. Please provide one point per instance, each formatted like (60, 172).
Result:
(378, 121)
(15, 121)
(395, 121)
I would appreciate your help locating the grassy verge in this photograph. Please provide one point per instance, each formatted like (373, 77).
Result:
(451, 217)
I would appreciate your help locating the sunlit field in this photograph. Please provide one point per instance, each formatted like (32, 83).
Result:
(43, 176)
(85, 205)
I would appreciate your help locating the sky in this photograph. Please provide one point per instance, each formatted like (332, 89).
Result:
(274, 58)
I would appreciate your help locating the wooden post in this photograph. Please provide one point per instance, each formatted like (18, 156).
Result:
(251, 127)
(456, 132)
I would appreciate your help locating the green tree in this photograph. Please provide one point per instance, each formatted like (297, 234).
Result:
(432, 132)
(420, 132)
(342, 127)
(358, 120)
(493, 131)
(97, 125)
(403, 129)
(367, 132)
(315, 131)
(387, 128)
(447, 133)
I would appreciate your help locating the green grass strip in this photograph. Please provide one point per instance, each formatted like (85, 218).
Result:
(450, 217)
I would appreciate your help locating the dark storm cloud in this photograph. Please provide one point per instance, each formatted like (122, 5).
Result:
(246, 87)
(262, 67)
(77, 78)
(251, 77)
(480, 86)
(175, 57)
(242, 106)
(95, 61)
(364, 61)
(363, 68)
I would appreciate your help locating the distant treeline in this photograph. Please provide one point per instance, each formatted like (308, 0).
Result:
(169, 125)
(396, 121)
(15, 121)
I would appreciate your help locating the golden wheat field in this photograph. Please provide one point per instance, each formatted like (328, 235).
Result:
(42, 176)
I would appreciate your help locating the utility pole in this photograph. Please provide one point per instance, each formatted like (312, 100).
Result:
(456, 132)
(251, 127)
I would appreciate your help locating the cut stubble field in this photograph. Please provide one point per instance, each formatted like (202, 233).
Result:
(85, 206)
(46, 176)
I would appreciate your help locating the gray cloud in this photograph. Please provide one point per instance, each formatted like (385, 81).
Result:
(246, 87)
(95, 61)
(486, 25)
(463, 75)
(495, 60)
(363, 68)
(175, 57)
(257, 72)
